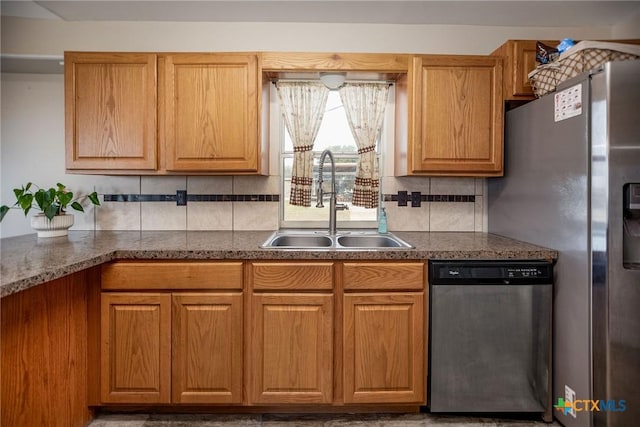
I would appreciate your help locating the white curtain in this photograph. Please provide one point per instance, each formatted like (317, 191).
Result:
(303, 105)
(364, 104)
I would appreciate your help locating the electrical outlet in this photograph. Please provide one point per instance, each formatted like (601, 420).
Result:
(570, 396)
(416, 199)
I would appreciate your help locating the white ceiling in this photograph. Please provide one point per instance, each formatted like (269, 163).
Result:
(494, 13)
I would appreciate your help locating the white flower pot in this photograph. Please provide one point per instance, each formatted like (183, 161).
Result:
(58, 226)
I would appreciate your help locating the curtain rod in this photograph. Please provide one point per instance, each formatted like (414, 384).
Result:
(275, 81)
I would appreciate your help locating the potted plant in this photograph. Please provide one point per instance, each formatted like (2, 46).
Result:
(52, 221)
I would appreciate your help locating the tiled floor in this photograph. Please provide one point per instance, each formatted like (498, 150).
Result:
(312, 420)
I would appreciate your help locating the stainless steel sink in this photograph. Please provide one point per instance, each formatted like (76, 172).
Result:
(301, 241)
(345, 240)
(375, 241)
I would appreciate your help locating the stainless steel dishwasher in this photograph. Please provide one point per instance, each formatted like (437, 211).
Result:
(490, 336)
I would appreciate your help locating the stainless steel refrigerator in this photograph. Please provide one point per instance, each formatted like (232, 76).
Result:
(572, 183)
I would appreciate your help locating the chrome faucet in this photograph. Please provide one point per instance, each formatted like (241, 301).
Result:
(333, 206)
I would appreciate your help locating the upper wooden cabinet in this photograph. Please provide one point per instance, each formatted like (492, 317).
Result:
(519, 60)
(449, 115)
(110, 111)
(132, 113)
(209, 112)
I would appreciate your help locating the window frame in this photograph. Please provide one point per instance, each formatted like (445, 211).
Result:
(385, 141)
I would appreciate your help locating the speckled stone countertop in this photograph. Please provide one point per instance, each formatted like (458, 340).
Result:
(27, 261)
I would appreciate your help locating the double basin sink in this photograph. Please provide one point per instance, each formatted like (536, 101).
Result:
(345, 240)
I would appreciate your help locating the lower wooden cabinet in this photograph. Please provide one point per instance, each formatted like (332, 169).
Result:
(207, 348)
(292, 351)
(384, 348)
(171, 347)
(300, 333)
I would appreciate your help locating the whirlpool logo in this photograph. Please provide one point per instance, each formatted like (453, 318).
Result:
(568, 407)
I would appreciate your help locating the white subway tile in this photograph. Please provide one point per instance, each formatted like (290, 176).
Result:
(406, 218)
(451, 216)
(209, 185)
(455, 186)
(163, 216)
(255, 216)
(256, 184)
(118, 216)
(479, 214)
(162, 184)
(209, 216)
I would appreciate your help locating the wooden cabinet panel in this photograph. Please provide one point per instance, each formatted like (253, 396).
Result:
(209, 115)
(519, 60)
(207, 348)
(110, 111)
(291, 348)
(289, 275)
(454, 117)
(384, 275)
(140, 275)
(384, 348)
(136, 339)
(43, 352)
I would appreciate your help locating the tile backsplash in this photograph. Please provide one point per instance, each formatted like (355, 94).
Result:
(252, 203)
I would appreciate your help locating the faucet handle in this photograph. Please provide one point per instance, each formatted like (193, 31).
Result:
(342, 207)
(319, 196)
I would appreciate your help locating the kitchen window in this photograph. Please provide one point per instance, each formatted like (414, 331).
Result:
(335, 135)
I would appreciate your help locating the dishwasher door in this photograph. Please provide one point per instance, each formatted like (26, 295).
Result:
(490, 336)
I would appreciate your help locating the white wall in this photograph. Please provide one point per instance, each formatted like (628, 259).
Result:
(627, 29)
(32, 133)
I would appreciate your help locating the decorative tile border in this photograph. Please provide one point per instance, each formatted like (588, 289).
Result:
(433, 198)
(192, 197)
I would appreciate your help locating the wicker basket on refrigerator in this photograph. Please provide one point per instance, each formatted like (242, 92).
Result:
(584, 56)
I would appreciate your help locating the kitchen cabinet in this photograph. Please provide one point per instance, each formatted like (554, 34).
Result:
(43, 353)
(292, 354)
(384, 332)
(162, 342)
(291, 347)
(519, 60)
(161, 113)
(449, 117)
(110, 111)
(136, 352)
(209, 112)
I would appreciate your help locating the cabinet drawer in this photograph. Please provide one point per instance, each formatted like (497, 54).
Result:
(384, 275)
(142, 275)
(286, 276)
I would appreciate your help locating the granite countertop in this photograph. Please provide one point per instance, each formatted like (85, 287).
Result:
(27, 261)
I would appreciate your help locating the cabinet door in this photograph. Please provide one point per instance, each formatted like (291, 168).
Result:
(136, 353)
(291, 348)
(457, 116)
(207, 348)
(209, 112)
(110, 111)
(384, 348)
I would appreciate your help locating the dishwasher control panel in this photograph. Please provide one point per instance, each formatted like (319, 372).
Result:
(490, 272)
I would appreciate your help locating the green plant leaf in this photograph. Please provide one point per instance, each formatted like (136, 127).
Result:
(77, 206)
(94, 198)
(25, 201)
(3, 211)
(64, 198)
(39, 196)
(61, 187)
(27, 187)
(51, 211)
(18, 192)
